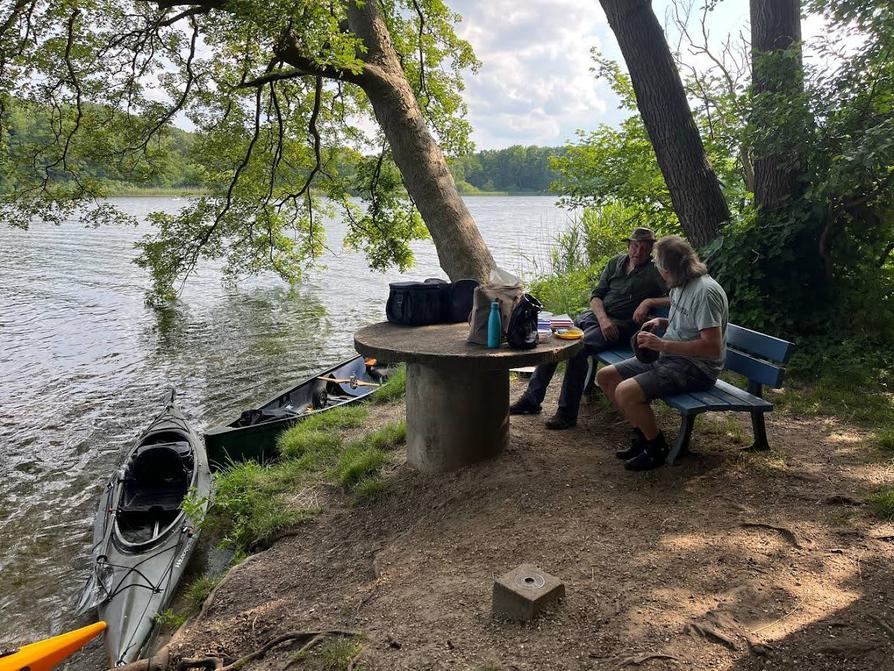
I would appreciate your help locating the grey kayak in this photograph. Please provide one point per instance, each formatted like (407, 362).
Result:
(142, 536)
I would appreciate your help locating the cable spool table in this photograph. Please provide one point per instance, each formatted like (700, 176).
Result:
(457, 393)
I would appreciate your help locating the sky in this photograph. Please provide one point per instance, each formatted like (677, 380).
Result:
(535, 85)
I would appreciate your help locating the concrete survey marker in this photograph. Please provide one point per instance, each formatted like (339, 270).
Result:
(524, 592)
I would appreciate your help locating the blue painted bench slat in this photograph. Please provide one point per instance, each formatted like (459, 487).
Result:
(756, 356)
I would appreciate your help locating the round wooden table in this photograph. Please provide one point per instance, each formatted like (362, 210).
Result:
(457, 393)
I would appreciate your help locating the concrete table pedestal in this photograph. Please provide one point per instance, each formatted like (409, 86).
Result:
(457, 393)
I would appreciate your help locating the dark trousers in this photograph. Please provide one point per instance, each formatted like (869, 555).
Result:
(575, 373)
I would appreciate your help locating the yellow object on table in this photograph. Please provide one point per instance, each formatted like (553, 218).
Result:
(573, 333)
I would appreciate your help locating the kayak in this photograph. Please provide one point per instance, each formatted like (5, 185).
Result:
(46, 654)
(143, 535)
(252, 435)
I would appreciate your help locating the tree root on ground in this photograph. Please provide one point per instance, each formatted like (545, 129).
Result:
(637, 660)
(787, 534)
(308, 638)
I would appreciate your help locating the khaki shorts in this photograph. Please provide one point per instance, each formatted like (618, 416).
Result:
(668, 376)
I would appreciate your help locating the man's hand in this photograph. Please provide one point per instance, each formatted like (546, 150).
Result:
(642, 311)
(652, 324)
(609, 330)
(649, 341)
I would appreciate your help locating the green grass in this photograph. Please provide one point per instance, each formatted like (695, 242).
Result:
(358, 461)
(847, 399)
(368, 489)
(882, 503)
(299, 441)
(343, 417)
(388, 437)
(725, 426)
(169, 620)
(885, 439)
(333, 654)
(198, 590)
(394, 388)
(251, 506)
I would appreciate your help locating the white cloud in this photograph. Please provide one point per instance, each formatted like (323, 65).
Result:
(535, 84)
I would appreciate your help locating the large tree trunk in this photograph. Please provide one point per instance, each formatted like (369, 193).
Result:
(461, 249)
(776, 82)
(694, 188)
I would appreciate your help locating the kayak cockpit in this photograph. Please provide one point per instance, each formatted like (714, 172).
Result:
(156, 480)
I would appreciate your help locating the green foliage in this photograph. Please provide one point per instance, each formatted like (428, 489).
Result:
(169, 620)
(882, 503)
(394, 388)
(885, 439)
(565, 294)
(251, 505)
(275, 92)
(199, 590)
(511, 170)
(195, 507)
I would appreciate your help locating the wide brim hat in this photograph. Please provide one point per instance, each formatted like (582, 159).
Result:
(641, 234)
(643, 354)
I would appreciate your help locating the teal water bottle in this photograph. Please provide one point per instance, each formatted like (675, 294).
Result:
(494, 325)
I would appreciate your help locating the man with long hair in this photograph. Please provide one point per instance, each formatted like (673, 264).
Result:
(629, 287)
(692, 351)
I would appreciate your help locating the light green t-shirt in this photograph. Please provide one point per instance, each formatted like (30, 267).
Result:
(700, 304)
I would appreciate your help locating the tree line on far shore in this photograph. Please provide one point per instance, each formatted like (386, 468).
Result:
(168, 164)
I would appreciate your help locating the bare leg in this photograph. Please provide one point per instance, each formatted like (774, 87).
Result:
(629, 397)
(608, 380)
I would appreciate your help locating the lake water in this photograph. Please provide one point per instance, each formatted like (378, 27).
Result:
(84, 364)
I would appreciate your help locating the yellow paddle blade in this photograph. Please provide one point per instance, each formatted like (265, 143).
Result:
(46, 654)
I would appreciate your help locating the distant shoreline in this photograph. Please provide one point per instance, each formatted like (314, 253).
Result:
(137, 192)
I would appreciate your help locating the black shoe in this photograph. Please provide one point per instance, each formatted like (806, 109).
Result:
(637, 445)
(523, 406)
(560, 422)
(653, 455)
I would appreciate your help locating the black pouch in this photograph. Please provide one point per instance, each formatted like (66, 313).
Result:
(522, 330)
(416, 303)
(458, 303)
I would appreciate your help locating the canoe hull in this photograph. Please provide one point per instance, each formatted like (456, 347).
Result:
(230, 443)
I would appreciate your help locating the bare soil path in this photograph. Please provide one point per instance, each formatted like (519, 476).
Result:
(727, 561)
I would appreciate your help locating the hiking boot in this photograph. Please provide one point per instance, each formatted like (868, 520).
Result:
(637, 444)
(524, 406)
(560, 422)
(653, 455)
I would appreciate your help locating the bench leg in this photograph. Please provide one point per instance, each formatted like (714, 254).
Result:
(760, 444)
(681, 444)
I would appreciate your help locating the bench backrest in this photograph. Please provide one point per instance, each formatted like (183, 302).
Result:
(757, 356)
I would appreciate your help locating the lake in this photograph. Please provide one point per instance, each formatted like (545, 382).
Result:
(85, 363)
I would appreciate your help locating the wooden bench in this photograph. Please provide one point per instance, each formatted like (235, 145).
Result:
(758, 357)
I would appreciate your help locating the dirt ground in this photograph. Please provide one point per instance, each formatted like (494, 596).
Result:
(726, 561)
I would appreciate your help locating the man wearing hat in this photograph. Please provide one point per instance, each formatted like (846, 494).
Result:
(629, 287)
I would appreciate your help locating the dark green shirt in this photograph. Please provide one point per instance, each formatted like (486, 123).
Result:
(622, 292)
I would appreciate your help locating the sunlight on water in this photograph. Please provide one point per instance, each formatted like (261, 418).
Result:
(84, 366)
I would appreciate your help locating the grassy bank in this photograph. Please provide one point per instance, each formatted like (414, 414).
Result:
(130, 190)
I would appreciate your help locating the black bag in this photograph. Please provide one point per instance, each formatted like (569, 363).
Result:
(433, 301)
(522, 330)
(458, 305)
(643, 354)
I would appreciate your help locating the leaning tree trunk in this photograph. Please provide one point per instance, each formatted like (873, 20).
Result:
(777, 80)
(461, 249)
(694, 188)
